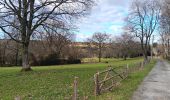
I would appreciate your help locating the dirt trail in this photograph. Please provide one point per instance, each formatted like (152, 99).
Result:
(156, 86)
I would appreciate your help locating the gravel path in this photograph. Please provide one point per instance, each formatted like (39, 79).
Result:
(156, 86)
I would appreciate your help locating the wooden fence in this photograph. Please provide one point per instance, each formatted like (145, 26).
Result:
(110, 78)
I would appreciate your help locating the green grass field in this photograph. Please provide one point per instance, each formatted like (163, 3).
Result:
(55, 82)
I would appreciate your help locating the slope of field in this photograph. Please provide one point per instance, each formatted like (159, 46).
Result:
(52, 82)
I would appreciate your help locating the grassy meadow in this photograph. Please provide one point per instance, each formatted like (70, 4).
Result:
(56, 82)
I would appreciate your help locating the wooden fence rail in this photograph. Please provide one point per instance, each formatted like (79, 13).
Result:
(113, 77)
(108, 79)
(110, 74)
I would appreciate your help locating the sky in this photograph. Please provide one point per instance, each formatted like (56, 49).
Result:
(106, 16)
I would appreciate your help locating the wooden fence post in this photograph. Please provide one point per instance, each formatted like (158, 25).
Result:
(75, 95)
(97, 88)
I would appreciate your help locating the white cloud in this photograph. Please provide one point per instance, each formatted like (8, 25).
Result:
(107, 16)
(116, 28)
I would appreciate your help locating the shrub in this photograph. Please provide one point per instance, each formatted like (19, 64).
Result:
(53, 59)
(74, 61)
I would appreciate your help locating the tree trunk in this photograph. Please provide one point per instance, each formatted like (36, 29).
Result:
(16, 58)
(100, 53)
(25, 59)
(99, 56)
(99, 59)
(16, 54)
(124, 57)
(145, 56)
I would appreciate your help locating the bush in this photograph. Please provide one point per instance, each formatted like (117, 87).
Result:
(74, 61)
(53, 59)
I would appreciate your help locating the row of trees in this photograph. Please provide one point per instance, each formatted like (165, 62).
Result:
(39, 50)
(56, 49)
(122, 46)
(164, 28)
(24, 19)
(143, 20)
(148, 17)
(52, 22)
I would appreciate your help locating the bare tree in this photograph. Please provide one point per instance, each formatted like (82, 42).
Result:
(99, 41)
(143, 20)
(31, 15)
(164, 28)
(126, 44)
(57, 38)
(165, 39)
